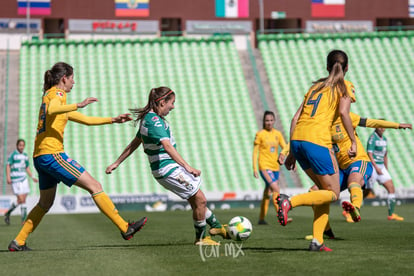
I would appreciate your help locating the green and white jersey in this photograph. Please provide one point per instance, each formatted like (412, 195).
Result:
(378, 147)
(18, 163)
(152, 131)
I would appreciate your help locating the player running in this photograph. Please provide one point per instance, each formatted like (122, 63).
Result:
(378, 154)
(167, 166)
(51, 161)
(311, 144)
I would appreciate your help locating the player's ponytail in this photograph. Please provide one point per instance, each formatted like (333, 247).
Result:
(53, 76)
(156, 95)
(337, 62)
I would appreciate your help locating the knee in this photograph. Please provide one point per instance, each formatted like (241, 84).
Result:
(46, 205)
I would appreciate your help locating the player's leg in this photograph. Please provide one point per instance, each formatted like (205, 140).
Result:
(46, 199)
(198, 204)
(320, 220)
(107, 207)
(8, 212)
(321, 166)
(264, 205)
(391, 201)
(275, 189)
(21, 199)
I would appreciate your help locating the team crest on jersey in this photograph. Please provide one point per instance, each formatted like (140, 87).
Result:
(155, 118)
(338, 128)
(60, 94)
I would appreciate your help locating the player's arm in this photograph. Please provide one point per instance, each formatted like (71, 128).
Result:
(373, 123)
(374, 164)
(29, 172)
(344, 109)
(56, 107)
(255, 160)
(290, 160)
(284, 152)
(386, 160)
(8, 174)
(169, 148)
(135, 143)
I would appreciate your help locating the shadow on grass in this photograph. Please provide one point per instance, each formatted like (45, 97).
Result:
(273, 249)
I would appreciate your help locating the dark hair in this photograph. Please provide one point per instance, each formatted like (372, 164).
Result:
(336, 62)
(156, 95)
(53, 76)
(20, 140)
(267, 112)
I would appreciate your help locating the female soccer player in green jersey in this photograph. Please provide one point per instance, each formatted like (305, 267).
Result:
(167, 165)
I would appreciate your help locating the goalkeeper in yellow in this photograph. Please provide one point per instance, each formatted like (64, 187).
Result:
(52, 163)
(265, 161)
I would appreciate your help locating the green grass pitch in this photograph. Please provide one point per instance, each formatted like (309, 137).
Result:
(88, 244)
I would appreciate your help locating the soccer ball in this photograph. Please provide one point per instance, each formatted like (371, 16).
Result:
(240, 228)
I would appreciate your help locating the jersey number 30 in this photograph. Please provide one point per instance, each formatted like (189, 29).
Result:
(314, 102)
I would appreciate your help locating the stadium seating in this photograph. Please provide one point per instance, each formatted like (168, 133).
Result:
(213, 123)
(380, 66)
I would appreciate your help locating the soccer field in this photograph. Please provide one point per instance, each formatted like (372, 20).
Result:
(88, 244)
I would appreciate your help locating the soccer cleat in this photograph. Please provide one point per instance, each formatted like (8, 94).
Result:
(206, 241)
(327, 233)
(352, 210)
(395, 217)
(262, 222)
(134, 227)
(7, 219)
(347, 216)
(284, 207)
(14, 246)
(220, 232)
(316, 247)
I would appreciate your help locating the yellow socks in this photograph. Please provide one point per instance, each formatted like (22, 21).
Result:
(313, 198)
(356, 194)
(32, 221)
(107, 207)
(274, 200)
(264, 206)
(320, 221)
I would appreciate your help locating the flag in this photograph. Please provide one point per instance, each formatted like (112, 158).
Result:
(232, 8)
(328, 8)
(132, 8)
(411, 8)
(37, 7)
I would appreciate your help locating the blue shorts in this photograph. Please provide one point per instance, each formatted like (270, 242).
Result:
(274, 175)
(53, 168)
(310, 155)
(363, 167)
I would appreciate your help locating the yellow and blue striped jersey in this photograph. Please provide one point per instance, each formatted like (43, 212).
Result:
(319, 111)
(266, 145)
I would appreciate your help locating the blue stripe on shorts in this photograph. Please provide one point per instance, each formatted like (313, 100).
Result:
(363, 167)
(54, 168)
(274, 175)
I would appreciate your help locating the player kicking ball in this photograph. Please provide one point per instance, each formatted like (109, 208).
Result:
(168, 167)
